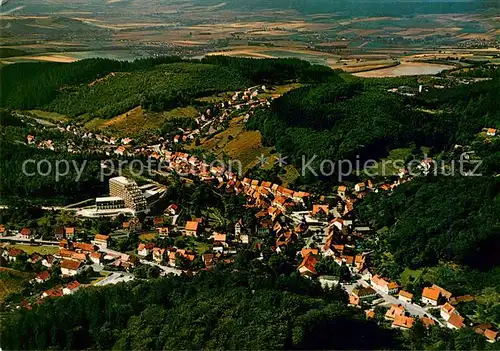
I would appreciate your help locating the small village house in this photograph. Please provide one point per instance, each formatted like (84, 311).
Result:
(308, 264)
(145, 249)
(26, 233)
(96, 257)
(405, 296)
(192, 228)
(54, 292)
(403, 322)
(158, 255)
(70, 232)
(384, 285)
(456, 321)
(71, 267)
(71, 287)
(446, 311)
(430, 296)
(14, 253)
(101, 240)
(42, 277)
(393, 311)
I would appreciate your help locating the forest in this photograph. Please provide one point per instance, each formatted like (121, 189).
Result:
(105, 88)
(433, 219)
(242, 309)
(346, 118)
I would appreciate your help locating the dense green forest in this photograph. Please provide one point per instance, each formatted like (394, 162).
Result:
(219, 310)
(431, 219)
(155, 83)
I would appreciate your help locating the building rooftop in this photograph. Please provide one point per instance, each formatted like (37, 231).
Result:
(108, 198)
(121, 179)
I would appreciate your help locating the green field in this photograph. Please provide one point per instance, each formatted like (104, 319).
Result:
(41, 249)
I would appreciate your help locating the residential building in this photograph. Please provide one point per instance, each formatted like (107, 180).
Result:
(96, 257)
(491, 335)
(59, 233)
(456, 321)
(446, 311)
(320, 210)
(354, 301)
(384, 285)
(427, 322)
(359, 187)
(42, 277)
(172, 210)
(491, 132)
(14, 254)
(341, 191)
(70, 232)
(26, 233)
(395, 310)
(444, 293)
(405, 296)
(162, 231)
(71, 267)
(71, 287)
(54, 292)
(430, 296)
(403, 322)
(101, 240)
(307, 266)
(158, 255)
(192, 228)
(145, 249)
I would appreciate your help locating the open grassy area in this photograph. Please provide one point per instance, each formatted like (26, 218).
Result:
(41, 249)
(391, 164)
(138, 120)
(410, 276)
(49, 116)
(290, 175)
(237, 143)
(147, 236)
(11, 281)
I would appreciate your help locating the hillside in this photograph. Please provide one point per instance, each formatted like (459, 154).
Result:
(345, 119)
(105, 88)
(213, 310)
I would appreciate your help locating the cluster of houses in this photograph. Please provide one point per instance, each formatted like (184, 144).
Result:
(207, 123)
(433, 297)
(211, 121)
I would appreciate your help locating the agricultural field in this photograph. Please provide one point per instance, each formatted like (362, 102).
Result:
(405, 69)
(126, 30)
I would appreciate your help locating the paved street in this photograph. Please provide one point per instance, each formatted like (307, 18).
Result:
(115, 278)
(412, 309)
(165, 269)
(25, 240)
